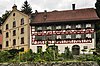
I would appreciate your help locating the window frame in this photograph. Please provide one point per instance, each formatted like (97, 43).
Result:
(7, 43)
(14, 42)
(6, 26)
(22, 40)
(22, 30)
(14, 24)
(14, 32)
(22, 21)
(7, 34)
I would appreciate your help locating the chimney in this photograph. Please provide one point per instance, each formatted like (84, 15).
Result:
(73, 6)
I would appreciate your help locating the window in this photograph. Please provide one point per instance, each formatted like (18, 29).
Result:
(14, 42)
(58, 27)
(14, 33)
(78, 26)
(7, 35)
(49, 38)
(22, 40)
(88, 25)
(68, 26)
(68, 36)
(49, 28)
(85, 47)
(13, 14)
(88, 36)
(58, 36)
(39, 28)
(78, 36)
(6, 26)
(14, 24)
(22, 30)
(7, 43)
(22, 21)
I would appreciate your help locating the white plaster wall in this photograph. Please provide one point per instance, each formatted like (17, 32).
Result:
(61, 47)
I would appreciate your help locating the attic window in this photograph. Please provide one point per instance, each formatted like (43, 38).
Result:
(13, 14)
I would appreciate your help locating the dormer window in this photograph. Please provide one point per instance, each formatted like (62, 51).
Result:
(78, 36)
(68, 26)
(49, 28)
(58, 27)
(88, 25)
(78, 26)
(88, 36)
(68, 36)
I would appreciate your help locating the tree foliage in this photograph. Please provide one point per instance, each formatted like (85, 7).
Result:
(26, 8)
(5, 16)
(67, 54)
(97, 5)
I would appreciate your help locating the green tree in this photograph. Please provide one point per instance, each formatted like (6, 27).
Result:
(4, 56)
(97, 5)
(67, 54)
(26, 8)
(5, 16)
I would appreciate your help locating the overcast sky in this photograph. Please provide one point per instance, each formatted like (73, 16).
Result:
(48, 5)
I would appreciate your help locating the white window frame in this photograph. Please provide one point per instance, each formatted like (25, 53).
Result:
(78, 36)
(49, 27)
(88, 35)
(58, 27)
(68, 36)
(88, 25)
(68, 26)
(58, 36)
(78, 26)
(39, 28)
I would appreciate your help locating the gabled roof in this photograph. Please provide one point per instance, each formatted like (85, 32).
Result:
(67, 15)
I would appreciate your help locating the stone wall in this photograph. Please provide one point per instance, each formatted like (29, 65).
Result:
(52, 64)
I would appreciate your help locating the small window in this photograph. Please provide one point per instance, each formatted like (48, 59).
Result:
(6, 26)
(7, 43)
(22, 30)
(14, 24)
(78, 36)
(68, 27)
(85, 47)
(78, 26)
(22, 21)
(58, 36)
(88, 25)
(68, 36)
(39, 28)
(88, 36)
(22, 40)
(7, 35)
(13, 14)
(14, 42)
(14, 33)
(49, 28)
(58, 27)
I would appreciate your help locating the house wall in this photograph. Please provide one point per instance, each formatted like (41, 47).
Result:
(82, 42)
(18, 16)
